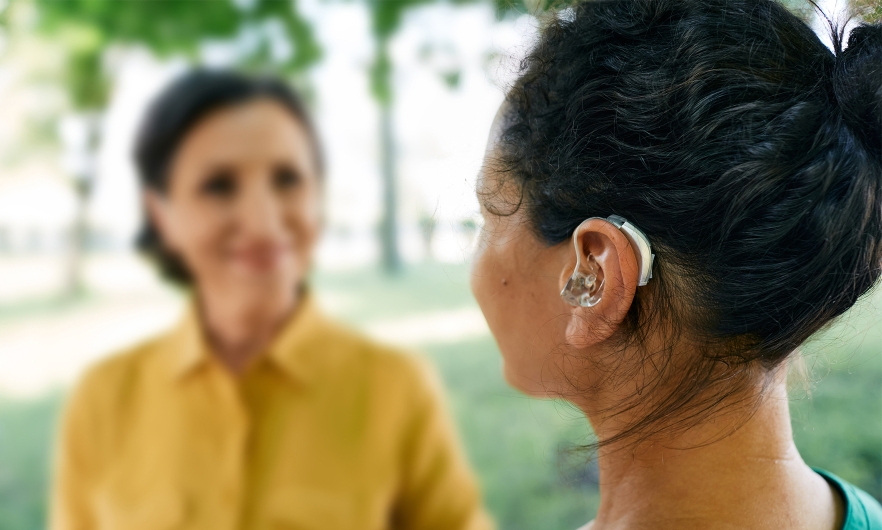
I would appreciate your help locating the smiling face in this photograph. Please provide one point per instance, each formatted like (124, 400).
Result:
(242, 207)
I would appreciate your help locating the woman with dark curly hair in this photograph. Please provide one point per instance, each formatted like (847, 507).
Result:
(677, 194)
(256, 411)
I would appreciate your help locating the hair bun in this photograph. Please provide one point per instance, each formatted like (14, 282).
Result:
(857, 84)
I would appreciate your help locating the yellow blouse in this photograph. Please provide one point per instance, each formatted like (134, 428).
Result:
(326, 431)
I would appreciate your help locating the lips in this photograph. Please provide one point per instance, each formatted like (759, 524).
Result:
(260, 258)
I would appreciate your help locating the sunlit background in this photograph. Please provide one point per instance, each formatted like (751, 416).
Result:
(403, 92)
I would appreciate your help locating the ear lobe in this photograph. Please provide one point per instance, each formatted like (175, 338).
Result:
(582, 330)
(600, 241)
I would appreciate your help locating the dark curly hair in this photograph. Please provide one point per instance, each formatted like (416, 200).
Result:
(747, 151)
(174, 113)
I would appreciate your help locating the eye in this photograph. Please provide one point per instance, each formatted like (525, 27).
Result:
(221, 183)
(285, 177)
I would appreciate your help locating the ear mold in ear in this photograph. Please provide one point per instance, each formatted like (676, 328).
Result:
(583, 289)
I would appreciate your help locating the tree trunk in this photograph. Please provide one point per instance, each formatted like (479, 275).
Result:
(81, 138)
(75, 285)
(389, 224)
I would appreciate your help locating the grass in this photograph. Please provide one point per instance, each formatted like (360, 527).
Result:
(521, 448)
(837, 421)
(364, 295)
(25, 435)
(54, 304)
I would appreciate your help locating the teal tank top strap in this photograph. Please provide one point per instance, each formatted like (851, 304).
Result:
(862, 511)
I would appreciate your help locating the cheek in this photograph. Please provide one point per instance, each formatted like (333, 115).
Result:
(518, 295)
(482, 270)
(199, 231)
(504, 296)
(494, 285)
(303, 219)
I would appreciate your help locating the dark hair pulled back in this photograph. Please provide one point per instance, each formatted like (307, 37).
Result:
(857, 83)
(174, 113)
(747, 151)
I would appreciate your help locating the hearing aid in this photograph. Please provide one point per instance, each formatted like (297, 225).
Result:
(583, 288)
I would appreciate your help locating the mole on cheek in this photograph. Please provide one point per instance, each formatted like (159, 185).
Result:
(504, 281)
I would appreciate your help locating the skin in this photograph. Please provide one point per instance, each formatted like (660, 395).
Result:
(739, 471)
(243, 211)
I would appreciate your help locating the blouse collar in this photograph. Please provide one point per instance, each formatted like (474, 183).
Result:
(293, 350)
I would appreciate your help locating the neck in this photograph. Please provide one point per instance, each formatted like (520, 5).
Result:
(240, 328)
(752, 478)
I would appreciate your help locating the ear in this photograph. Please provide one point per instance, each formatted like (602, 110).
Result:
(157, 211)
(617, 263)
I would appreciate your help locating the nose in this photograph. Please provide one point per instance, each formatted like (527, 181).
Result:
(260, 216)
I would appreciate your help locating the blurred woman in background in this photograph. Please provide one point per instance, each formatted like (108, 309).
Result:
(256, 411)
(677, 194)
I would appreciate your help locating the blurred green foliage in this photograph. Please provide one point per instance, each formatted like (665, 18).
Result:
(86, 28)
(872, 9)
(387, 16)
(525, 451)
(167, 27)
